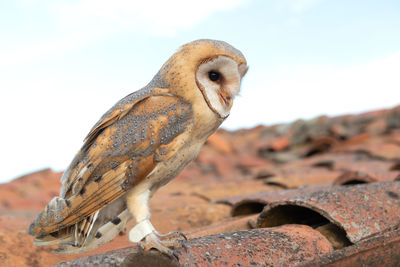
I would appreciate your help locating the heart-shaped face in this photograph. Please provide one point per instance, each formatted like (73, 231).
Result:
(219, 79)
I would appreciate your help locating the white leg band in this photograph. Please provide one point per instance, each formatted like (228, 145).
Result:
(140, 230)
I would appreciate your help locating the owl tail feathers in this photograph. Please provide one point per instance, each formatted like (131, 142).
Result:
(49, 240)
(47, 221)
(102, 235)
(86, 234)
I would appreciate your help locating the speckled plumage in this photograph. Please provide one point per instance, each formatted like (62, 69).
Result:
(139, 145)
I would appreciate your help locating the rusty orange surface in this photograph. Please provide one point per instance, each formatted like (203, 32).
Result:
(361, 210)
(254, 203)
(382, 250)
(286, 245)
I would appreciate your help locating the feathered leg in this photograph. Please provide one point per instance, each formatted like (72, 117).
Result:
(144, 232)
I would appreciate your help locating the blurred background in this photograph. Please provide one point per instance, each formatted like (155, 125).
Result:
(64, 63)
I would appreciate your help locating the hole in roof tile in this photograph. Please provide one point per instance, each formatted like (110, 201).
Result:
(393, 194)
(290, 214)
(321, 145)
(354, 182)
(269, 149)
(325, 164)
(395, 167)
(335, 235)
(275, 183)
(248, 208)
(353, 178)
(314, 151)
(264, 174)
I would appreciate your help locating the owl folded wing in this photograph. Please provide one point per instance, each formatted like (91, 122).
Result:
(119, 152)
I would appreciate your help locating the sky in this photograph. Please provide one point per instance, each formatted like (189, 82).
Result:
(64, 63)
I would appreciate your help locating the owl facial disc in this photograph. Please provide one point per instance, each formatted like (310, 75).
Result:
(219, 81)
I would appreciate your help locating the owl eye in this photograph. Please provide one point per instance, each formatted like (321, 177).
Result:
(214, 76)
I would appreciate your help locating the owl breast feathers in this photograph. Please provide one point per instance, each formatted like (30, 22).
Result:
(139, 145)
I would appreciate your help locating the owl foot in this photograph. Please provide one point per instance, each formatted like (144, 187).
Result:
(151, 241)
(148, 238)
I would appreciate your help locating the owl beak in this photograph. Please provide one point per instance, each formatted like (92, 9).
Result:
(225, 98)
(243, 68)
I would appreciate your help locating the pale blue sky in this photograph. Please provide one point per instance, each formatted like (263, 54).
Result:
(64, 63)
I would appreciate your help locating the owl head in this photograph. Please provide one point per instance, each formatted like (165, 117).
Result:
(209, 69)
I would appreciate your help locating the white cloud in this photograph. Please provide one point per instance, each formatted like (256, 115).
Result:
(307, 91)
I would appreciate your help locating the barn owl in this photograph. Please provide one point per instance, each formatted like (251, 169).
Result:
(139, 145)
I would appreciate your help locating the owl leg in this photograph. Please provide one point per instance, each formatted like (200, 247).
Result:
(148, 238)
(144, 232)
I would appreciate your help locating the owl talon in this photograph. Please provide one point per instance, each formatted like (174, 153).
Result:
(175, 255)
(140, 248)
(151, 241)
(173, 235)
(182, 245)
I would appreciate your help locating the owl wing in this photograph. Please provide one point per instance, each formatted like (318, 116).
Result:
(78, 168)
(120, 110)
(119, 152)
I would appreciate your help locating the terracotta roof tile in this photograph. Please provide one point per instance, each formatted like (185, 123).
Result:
(225, 226)
(381, 250)
(274, 144)
(219, 143)
(375, 148)
(356, 177)
(297, 177)
(254, 203)
(285, 245)
(360, 210)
